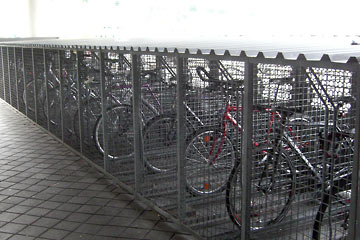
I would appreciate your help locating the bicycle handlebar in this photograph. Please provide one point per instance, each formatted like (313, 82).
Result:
(205, 76)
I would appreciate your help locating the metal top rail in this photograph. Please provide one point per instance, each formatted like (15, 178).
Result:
(336, 50)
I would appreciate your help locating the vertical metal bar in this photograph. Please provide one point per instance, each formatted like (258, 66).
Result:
(46, 84)
(24, 82)
(35, 86)
(247, 150)
(79, 102)
(180, 141)
(136, 100)
(16, 81)
(104, 111)
(354, 223)
(61, 96)
(9, 75)
(3, 72)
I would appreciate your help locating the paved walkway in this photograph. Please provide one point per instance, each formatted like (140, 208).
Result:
(48, 192)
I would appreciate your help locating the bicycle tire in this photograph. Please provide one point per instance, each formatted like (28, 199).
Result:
(120, 132)
(266, 207)
(160, 142)
(29, 100)
(209, 158)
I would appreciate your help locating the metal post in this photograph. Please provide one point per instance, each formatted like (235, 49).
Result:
(46, 84)
(24, 82)
(181, 135)
(136, 99)
(61, 95)
(9, 74)
(354, 223)
(104, 112)
(214, 70)
(3, 72)
(35, 86)
(16, 81)
(79, 103)
(247, 150)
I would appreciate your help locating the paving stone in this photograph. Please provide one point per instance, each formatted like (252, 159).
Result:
(55, 234)
(70, 207)
(31, 202)
(99, 219)
(47, 192)
(79, 236)
(21, 237)
(8, 217)
(5, 236)
(159, 235)
(13, 200)
(19, 209)
(121, 221)
(33, 231)
(111, 231)
(88, 228)
(78, 217)
(46, 222)
(67, 225)
(12, 228)
(138, 233)
(25, 219)
(38, 211)
(58, 214)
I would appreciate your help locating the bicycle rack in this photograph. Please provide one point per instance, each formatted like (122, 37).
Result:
(150, 118)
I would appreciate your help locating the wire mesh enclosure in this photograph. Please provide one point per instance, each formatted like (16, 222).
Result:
(231, 147)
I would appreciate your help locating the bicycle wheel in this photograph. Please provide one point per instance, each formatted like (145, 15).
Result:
(28, 97)
(120, 132)
(272, 189)
(159, 143)
(209, 157)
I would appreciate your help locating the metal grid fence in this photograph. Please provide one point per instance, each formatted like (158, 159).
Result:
(230, 147)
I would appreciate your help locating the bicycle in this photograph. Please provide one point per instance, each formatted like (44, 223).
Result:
(211, 153)
(120, 127)
(273, 178)
(160, 132)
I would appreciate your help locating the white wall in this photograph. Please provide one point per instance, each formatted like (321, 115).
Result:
(14, 18)
(122, 19)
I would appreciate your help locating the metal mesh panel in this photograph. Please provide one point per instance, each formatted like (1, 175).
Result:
(52, 108)
(12, 78)
(214, 100)
(6, 74)
(12, 81)
(297, 112)
(301, 142)
(119, 116)
(39, 74)
(158, 112)
(19, 77)
(1, 75)
(69, 96)
(28, 95)
(90, 103)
